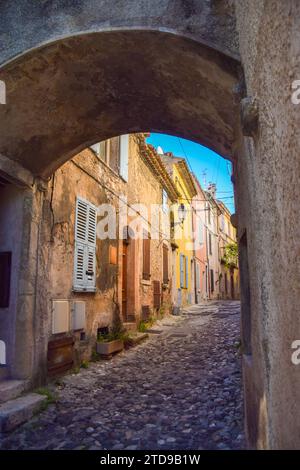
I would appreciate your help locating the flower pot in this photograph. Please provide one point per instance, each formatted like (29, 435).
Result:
(110, 347)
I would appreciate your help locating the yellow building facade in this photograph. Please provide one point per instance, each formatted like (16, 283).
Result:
(229, 275)
(182, 233)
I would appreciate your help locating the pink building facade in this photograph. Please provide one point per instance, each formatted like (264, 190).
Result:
(200, 245)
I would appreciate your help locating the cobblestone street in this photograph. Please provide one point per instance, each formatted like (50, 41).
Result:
(180, 389)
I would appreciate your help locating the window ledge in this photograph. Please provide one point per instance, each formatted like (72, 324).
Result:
(145, 282)
(91, 290)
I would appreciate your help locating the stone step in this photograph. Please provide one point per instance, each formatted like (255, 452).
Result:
(130, 326)
(18, 411)
(135, 339)
(10, 389)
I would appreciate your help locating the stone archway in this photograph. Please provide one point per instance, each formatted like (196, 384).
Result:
(171, 66)
(69, 94)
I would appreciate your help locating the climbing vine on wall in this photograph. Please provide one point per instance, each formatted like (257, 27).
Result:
(230, 257)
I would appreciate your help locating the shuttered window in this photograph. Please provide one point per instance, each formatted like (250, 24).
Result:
(146, 257)
(165, 264)
(164, 201)
(85, 246)
(181, 271)
(101, 150)
(197, 276)
(186, 272)
(156, 294)
(114, 154)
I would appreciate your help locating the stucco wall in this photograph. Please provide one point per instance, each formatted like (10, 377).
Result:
(270, 50)
(145, 189)
(88, 177)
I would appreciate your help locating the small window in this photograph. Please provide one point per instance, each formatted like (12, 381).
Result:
(114, 154)
(101, 150)
(164, 201)
(85, 246)
(124, 154)
(146, 256)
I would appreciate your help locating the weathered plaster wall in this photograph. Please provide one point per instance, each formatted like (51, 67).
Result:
(52, 219)
(145, 189)
(199, 224)
(213, 257)
(80, 177)
(268, 197)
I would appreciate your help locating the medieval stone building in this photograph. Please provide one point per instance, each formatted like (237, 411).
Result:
(92, 271)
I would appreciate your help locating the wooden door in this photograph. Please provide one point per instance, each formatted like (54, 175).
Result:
(156, 295)
(124, 279)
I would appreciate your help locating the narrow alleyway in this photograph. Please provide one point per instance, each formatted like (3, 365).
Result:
(181, 389)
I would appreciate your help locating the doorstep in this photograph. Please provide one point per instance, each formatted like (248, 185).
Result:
(18, 411)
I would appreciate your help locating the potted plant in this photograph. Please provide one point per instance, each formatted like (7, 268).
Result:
(109, 344)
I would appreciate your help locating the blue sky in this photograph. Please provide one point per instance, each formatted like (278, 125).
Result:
(206, 164)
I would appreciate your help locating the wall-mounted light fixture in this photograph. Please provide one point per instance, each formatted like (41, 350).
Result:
(182, 211)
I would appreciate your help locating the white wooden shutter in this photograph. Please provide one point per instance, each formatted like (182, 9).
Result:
(79, 277)
(85, 246)
(186, 272)
(90, 268)
(91, 225)
(124, 150)
(181, 271)
(81, 220)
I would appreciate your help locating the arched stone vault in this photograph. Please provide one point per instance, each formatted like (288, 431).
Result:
(75, 91)
(28, 24)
